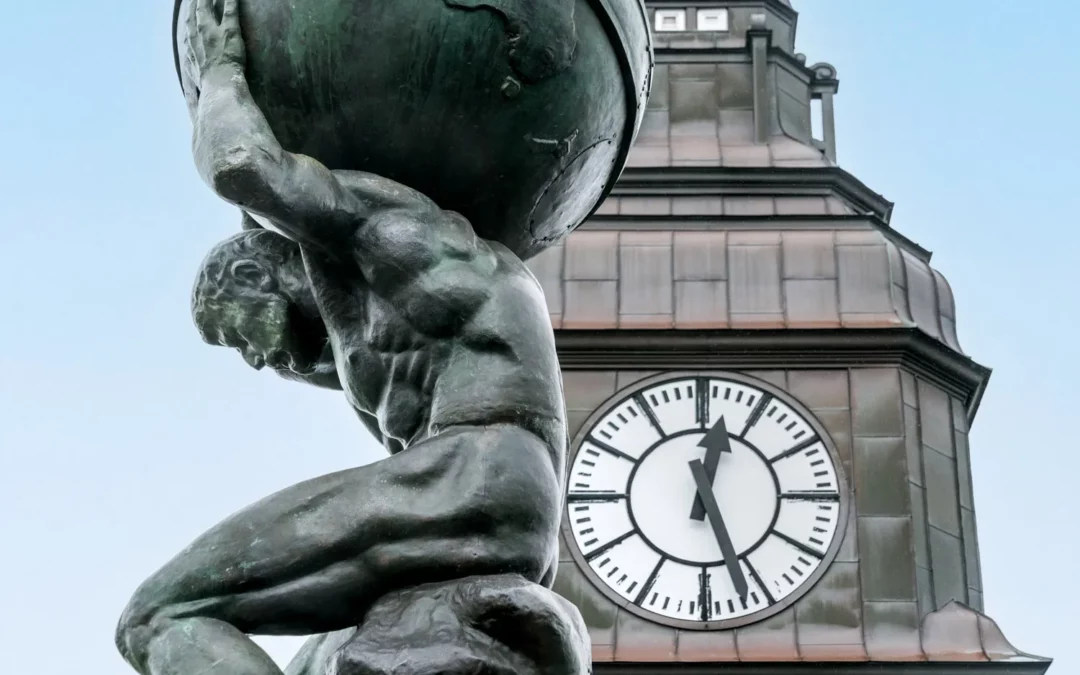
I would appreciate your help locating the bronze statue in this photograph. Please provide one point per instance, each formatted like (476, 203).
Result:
(440, 340)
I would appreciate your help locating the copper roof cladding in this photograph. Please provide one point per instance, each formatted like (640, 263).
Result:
(954, 634)
(743, 279)
(741, 98)
(671, 137)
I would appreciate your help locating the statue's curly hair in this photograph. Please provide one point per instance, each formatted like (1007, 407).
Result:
(215, 281)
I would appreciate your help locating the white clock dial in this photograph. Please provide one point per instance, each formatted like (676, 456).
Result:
(640, 522)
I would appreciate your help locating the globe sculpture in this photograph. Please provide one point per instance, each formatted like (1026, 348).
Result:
(518, 114)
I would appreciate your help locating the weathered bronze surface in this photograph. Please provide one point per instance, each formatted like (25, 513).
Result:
(516, 114)
(438, 558)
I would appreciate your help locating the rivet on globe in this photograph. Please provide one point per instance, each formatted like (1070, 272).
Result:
(511, 88)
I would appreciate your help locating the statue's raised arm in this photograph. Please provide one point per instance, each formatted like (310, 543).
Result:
(239, 157)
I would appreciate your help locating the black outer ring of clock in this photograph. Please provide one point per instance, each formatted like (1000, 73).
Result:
(690, 563)
(721, 624)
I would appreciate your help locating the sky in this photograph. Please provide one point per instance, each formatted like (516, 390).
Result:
(122, 436)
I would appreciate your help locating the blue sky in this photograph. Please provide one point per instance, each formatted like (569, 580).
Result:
(122, 436)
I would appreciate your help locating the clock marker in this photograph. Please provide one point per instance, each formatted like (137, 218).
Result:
(608, 546)
(704, 594)
(795, 450)
(756, 414)
(594, 497)
(702, 403)
(643, 404)
(609, 449)
(761, 584)
(649, 583)
(799, 545)
(812, 496)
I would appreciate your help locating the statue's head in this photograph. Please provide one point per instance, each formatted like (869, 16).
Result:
(252, 294)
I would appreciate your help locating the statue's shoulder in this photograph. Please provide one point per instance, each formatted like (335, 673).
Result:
(375, 188)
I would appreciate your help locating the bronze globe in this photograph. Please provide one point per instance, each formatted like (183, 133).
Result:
(518, 114)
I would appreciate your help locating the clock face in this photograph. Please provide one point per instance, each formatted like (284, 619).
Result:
(704, 501)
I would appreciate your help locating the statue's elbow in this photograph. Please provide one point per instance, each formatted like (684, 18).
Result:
(239, 174)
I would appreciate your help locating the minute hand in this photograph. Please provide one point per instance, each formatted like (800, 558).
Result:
(712, 509)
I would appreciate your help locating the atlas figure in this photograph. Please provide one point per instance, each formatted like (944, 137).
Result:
(439, 339)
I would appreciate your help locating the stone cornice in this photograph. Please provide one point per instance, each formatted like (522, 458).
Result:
(823, 668)
(774, 180)
(907, 348)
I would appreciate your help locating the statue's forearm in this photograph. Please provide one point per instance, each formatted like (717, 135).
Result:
(235, 149)
(240, 158)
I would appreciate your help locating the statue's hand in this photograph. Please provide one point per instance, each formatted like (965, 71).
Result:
(216, 43)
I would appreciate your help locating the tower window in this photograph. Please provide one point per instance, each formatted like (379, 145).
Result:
(670, 19)
(712, 20)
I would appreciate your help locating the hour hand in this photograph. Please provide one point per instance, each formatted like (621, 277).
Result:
(715, 442)
(712, 509)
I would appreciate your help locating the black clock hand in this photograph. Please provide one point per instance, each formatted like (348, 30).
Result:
(715, 442)
(731, 561)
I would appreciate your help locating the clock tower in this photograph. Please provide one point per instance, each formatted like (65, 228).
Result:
(768, 403)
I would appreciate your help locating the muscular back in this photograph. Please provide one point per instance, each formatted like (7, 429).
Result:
(430, 325)
(434, 327)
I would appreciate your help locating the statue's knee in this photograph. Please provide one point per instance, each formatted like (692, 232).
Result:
(137, 625)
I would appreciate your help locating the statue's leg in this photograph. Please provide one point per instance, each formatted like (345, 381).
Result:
(312, 558)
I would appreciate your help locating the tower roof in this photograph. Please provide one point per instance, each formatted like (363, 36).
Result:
(750, 279)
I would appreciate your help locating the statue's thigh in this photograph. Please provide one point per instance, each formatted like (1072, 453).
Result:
(473, 500)
(310, 558)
